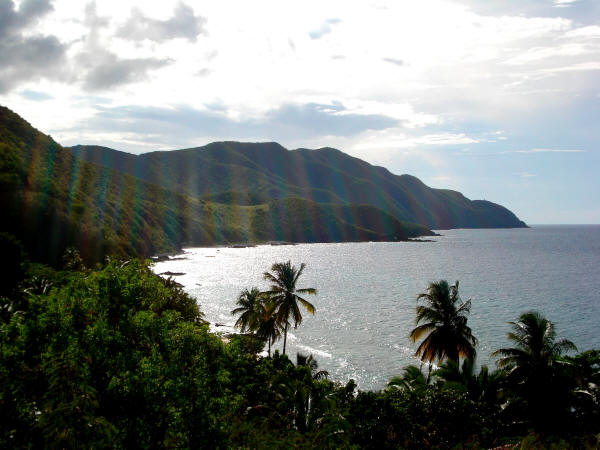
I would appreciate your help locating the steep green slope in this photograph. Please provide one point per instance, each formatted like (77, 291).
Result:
(250, 173)
(53, 199)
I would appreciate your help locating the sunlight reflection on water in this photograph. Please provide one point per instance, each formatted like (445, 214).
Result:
(367, 291)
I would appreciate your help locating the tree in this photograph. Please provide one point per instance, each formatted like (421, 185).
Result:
(535, 369)
(443, 319)
(269, 328)
(484, 387)
(305, 396)
(313, 365)
(534, 336)
(251, 309)
(284, 295)
(412, 380)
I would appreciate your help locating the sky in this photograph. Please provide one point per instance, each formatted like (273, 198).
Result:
(499, 100)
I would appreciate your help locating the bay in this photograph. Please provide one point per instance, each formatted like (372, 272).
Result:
(367, 291)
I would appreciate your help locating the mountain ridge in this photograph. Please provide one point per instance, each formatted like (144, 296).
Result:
(324, 175)
(54, 199)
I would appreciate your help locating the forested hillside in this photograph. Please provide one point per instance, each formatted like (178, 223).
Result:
(53, 199)
(248, 173)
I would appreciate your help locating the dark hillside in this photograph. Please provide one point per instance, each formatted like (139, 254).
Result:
(251, 172)
(106, 202)
(53, 200)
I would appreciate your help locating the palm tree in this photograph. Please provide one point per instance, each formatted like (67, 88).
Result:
(484, 386)
(534, 337)
(284, 295)
(412, 380)
(268, 327)
(313, 365)
(534, 367)
(251, 310)
(443, 319)
(309, 404)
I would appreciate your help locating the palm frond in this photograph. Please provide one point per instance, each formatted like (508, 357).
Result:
(307, 305)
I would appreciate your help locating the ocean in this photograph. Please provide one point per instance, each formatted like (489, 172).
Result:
(365, 307)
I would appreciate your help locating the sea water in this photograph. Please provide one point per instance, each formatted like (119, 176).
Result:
(365, 307)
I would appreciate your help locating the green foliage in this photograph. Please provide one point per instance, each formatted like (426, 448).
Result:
(533, 369)
(584, 369)
(14, 271)
(118, 357)
(111, 358)
(412, 380)
(442, 321)
(284, 298)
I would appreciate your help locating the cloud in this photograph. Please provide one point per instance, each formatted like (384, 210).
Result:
(579, 67)
(13, 20)
(35, 95)
(324, 29)
(183, 24)
(184, 126)
(397, 62)
(563, 3)
(105, 69)
(27, 57)
(204, 72)
(325, 119)
(584, 33)
(540, 53)
(397, 139)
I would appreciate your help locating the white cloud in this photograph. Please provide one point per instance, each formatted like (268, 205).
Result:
(579, 67)
(563, 3)
(591, 31)
(526, 174)
(539, 53)
(430, 74)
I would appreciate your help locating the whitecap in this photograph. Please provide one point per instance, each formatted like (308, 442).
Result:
(314, 351)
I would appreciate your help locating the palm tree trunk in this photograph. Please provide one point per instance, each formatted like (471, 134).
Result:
(285, 337)
(269, 346)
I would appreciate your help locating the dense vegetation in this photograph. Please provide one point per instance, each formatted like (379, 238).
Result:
(119, 357)
(52, 200)
(114, 356)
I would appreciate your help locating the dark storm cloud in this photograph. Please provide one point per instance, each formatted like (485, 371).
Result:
(183, 125)
(31, 57)
(183, 24)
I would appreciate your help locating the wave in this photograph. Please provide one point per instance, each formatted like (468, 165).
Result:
(314, 351)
